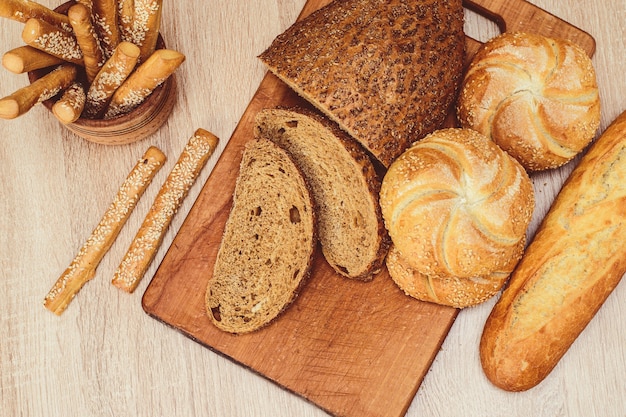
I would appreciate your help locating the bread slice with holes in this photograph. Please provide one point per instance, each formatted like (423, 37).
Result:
(345, 187)
(268, 243)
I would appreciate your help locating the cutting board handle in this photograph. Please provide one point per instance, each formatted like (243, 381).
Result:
(520, 15)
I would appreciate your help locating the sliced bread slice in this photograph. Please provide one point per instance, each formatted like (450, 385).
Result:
(268, 243)
(345, 187)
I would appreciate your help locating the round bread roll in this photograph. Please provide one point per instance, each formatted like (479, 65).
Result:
(536, 97)
(450, 291)
(455, 204)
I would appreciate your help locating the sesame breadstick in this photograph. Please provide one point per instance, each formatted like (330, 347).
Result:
(21, 11)
(146, 26)
(43, 89)
(48, 38)
(125, 14)
(142, 82)
(150, 235)
(26, 58)
(83, 267)
(80, 19)
(104, 14)
(69, 107)
(112, 74)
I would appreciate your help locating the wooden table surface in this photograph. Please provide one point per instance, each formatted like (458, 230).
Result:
(105, 357)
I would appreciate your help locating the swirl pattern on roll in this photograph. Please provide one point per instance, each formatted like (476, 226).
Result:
(456, 205)
(536, 97)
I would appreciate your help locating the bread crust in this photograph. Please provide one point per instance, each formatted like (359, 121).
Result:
(334, 229)
(385, 71)
(536, 97)
(574, 262)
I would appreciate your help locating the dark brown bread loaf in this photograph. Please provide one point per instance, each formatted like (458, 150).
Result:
(268, 243)
(576, 259)
(345, 187)
(386, 71)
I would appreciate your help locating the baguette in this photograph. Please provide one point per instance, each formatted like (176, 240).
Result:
(26, 58)
(576, 259)
(43, 89)
(146, 22)
(48, 38)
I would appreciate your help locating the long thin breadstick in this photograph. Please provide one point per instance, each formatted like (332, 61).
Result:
(150, 235)
(44, 88)
(142, 82)
(112, 74)
(48, 38)
(104, 14)
(26, 58)
(83, 267)
(93, 57)
(69, 107)
(21, 11)
(125, 15)
(146, 26)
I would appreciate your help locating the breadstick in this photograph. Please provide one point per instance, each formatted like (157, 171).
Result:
(26, 58)
(125, 13)
(44, 88)
(48, 38)
(80, 19)
(104, 14)
(150, 235)
(142, 82)
(70, 106)
(83, 267)
(112, 74)
(146, 25)
(21, 11)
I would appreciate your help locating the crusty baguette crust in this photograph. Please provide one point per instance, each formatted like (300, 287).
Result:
(385, 71)
(575, 261)
(362, 177)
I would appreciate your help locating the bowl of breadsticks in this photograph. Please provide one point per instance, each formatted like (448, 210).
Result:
(100, 67)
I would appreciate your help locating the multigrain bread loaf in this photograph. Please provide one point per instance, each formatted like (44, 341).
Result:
(386, 71)
(268, 243)
(344, 183)
(536, 97)
(445, 290)
(456, 205)
(575, 261)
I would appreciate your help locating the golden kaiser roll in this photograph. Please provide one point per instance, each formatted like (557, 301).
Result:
(457, 205)
(536, 97)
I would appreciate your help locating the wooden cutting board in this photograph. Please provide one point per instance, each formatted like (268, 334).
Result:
(352, 348)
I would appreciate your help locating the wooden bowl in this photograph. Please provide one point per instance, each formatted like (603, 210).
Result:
(140, 123)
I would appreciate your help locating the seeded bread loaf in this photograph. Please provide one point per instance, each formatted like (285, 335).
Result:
(344, 183)
(577, 258)
(536, 97)
(457, 205)
(268, 243)
(386, 71)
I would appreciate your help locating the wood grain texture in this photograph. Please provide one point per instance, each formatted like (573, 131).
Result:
(106, 357)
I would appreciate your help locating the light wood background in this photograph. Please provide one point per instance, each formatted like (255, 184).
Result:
(106, 357)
